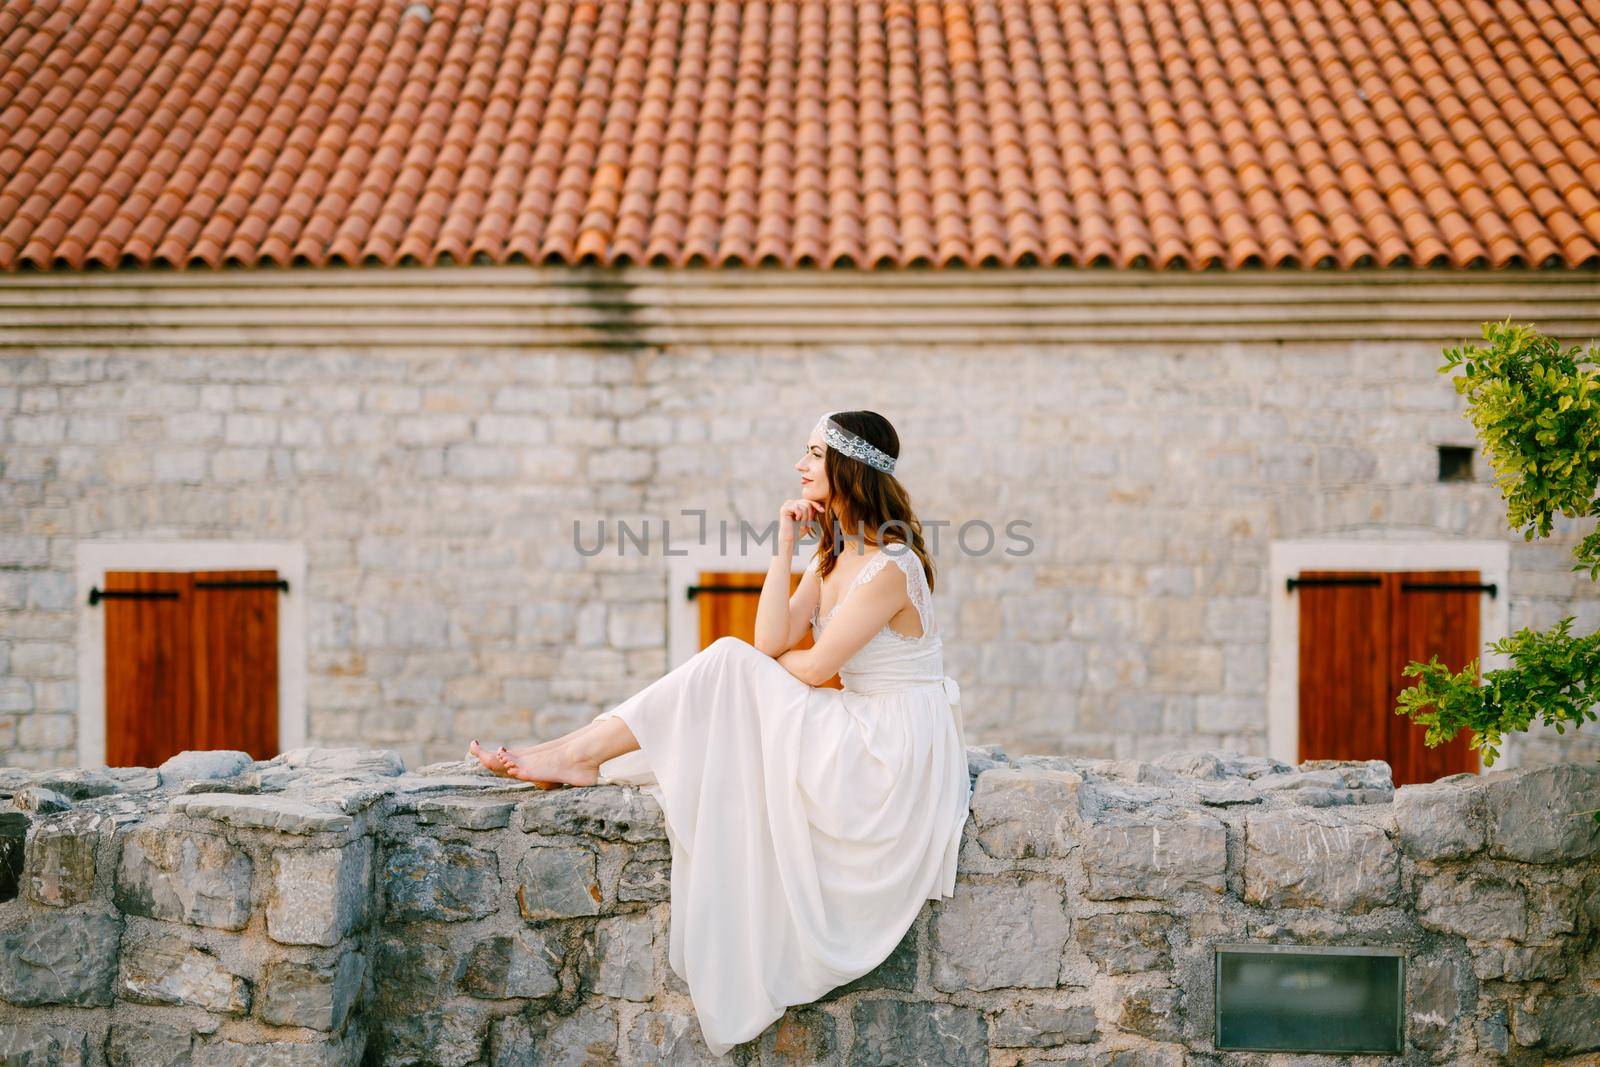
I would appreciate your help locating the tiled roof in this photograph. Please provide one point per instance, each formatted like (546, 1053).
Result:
(1160, 133)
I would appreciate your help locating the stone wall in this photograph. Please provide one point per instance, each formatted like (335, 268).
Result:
(433, 479)
(328, 905)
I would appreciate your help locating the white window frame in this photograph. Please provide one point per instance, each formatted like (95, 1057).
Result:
(1491, 559)
(95, 558)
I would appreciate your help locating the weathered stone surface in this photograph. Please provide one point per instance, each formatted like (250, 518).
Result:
(81, 783)
(613, 813)
(455, 1036)
(622, 963)
(1570, 1023)
(414, 972)
(443, 881)
(1434, 1001)
(192, 765)
(262, 811)
(1152, 1011)
(467, 814)
(1022, 813)
(319, 895)
(997, 935)
(1491, 940)
(557, 883)
(802, 1036)
(146, 1043)
(62, 856)
(379, 761)
(898, 1032)
(666, 1038)
(1331, 783)
(1216, 765)
(897, 971)
(41, 801)
(1439, 820)
(165, 969)
(42, 1045)
(315, 995)
(60, 959)
(1043, 1026)
(183, 876)
(1317, 859)
(647, 875)
(525, 963)
(1125, 942)
(340, 1050)
(1539, 815)
(589, 1037)
(1481, 908)
(1154, 857)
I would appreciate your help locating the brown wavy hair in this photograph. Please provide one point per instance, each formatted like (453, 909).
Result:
(869, 502)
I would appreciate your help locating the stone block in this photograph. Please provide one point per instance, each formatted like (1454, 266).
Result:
(183, 876)
(999, 935)
(1569, 1024)
(62, 857)
(1539, 815)
(1331, 783)
(1439, 820)
(1434, 999)
(557, 883)
(262, 811)
(166, 969)
(611, 813)
(900, 1031)
(802, 1036)
(646, 876)
(1481, 908)
(341, 1050)
(525, 963)
(442, 881)
(1023, 813)
(358, 761)
(60, 958)
(147, 1042)
(198, 765)
(1315, 859)
(666, 1038)
(318, 896)
(1126, 942)
(25, 1044)
(622, 961)
(1152, 1011)
(588, 1036)
(453, 1036)
(1043, 1026)
(413, 972)
(464, 813)
(1153, 857)
(316, 995)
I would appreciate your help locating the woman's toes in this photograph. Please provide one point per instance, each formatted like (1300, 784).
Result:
(492, 762)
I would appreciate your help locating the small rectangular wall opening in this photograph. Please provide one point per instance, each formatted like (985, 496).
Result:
(1294, 998)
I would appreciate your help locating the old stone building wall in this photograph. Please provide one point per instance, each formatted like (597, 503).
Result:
(330, 904)
(429, 439)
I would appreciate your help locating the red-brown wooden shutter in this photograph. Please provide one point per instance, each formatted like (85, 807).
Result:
(194, 670)
(733, 614)
(1355, 641)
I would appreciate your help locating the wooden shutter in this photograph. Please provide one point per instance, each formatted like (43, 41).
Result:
(1356, 638)
(728, 613)
(194, 666)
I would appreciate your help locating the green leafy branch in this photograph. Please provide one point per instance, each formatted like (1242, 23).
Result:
(1537, 412)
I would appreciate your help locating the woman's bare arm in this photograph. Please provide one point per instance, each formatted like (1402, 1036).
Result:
(861, 615)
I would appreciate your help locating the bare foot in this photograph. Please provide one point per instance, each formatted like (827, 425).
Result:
(551, 768)
(492, 760)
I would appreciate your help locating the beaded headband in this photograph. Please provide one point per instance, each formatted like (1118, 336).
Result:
(842, 440)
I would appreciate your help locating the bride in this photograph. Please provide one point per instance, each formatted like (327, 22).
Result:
(808, 824)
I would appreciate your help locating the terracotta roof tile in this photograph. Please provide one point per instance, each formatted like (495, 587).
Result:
(1178, 134)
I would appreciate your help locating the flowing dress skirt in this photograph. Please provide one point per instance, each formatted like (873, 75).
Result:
(807, 826)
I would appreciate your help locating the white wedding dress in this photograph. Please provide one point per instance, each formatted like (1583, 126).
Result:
(807, 825)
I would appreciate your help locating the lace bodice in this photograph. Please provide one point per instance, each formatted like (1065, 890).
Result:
(890, 660)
